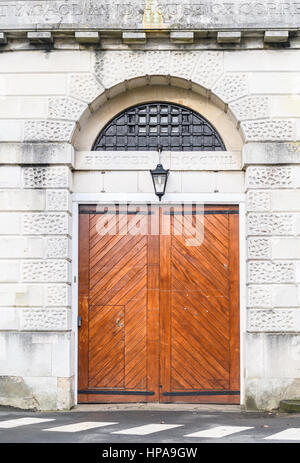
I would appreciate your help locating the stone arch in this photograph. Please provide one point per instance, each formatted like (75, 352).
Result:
(202, 72)
(146, 89)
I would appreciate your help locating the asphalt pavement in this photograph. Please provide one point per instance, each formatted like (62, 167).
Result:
(115, 425)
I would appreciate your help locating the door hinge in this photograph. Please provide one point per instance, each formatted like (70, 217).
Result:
(79, 321)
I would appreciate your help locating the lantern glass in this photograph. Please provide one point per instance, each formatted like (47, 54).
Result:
(159, 182)
(159, 177)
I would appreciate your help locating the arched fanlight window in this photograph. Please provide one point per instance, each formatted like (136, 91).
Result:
(145, 127)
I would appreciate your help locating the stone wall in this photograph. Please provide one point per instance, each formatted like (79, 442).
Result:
(37, 344)
(52, 101)
(273, 229)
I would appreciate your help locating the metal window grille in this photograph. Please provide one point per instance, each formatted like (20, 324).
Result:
(144, 127)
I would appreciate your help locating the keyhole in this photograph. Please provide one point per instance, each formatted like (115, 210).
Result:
(119, 323)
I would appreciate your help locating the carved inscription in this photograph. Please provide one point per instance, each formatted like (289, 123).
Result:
(91, 160)
(149, 14)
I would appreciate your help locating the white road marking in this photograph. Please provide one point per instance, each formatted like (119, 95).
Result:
(148, 429)
(287, 434)
(76, 427)
(23, 422)
(219, 431)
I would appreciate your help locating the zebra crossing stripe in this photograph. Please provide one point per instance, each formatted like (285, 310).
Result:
(76, 427)
(148, 429)
(287, 434)
(23, 422)
(219, 431)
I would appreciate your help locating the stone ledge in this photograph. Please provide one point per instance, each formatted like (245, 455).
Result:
(193, 38)
(36, 153)
(271, 153)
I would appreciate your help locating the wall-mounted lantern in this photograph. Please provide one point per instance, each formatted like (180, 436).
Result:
(159, 177)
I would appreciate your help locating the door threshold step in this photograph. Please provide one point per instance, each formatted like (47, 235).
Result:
(157, 406)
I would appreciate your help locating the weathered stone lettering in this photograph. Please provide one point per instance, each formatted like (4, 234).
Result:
(51, 9)
(245, 8)
(98, 10)
(64, 9)
(272, 8)
(296, 8)
(19, 10)
(124, 15)
(229, 7)
(260, 9)
(36, 10)
(3, 10)
(217, 8)
(77, 9)
(125, 9)
(172, 9)
(286, 9)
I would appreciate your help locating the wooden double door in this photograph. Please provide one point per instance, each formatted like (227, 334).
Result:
(159, 304)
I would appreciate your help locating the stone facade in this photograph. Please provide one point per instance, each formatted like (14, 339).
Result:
(55, 99)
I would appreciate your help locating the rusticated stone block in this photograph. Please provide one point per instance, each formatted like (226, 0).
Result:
(260, 296)
(48, 130)
(157, 62)
(271, 272)
(45, 320)
(46, 223)
(269, 177)
(58, 295)
(58, 247)
(271, 224)
(259, 248)
(46, 177)
(268, 130)
(251, 107)
(258, 201)
(183, 63)
(273, 320)
(65, 108)
(208, 69)
(231, 86)
(114, 67)
(85, 87)
(58, 200)
(45, 271)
